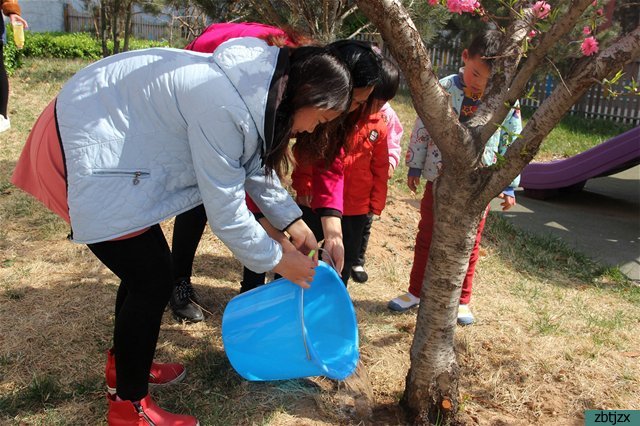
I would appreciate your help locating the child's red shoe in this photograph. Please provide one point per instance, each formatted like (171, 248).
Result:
(160, 374)
(144, 413)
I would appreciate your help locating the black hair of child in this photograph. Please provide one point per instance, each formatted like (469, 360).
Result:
(487, 45)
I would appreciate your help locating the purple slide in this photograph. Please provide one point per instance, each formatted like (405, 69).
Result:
(544, 180)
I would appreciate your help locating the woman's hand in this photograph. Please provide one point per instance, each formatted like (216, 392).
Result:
(296, 267)
(17, 18)
(333, 245)
(303, 239)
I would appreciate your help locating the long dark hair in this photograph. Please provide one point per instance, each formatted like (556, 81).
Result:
(326, 142)
(387, 88)
(317, 78)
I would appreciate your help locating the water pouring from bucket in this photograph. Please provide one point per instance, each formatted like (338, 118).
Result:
(281, 331)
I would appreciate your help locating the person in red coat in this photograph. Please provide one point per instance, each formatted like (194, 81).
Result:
(354, 186)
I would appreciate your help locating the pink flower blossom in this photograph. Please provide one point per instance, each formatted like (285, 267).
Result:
(433, 2)
(541, 9)
(459, 6)
(595, 3)
(586, 30)
(589, 46)
(532, 33)
(599, 12)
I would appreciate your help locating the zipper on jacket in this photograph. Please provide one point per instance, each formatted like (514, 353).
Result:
(136, 175)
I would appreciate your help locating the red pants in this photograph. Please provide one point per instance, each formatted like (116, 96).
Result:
(423, 244)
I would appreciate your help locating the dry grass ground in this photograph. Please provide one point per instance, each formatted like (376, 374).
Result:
(556, 334)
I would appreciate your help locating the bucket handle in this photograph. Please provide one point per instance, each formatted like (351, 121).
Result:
(330, 259)
(304, 329)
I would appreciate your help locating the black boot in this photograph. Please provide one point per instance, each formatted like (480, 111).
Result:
(183, 302)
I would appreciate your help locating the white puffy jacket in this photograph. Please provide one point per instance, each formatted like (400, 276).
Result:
(149, 134)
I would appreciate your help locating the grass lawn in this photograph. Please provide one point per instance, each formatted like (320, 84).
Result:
(556, 333)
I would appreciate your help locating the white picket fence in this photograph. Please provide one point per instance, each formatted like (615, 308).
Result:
(142, 26)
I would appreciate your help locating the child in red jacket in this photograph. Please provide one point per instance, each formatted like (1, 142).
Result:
(354, 186)
(366, 170)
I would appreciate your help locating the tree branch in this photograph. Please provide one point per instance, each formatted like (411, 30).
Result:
(267, 11)
(348, 11)
(562, 26)
(587, 71)
(503, 70)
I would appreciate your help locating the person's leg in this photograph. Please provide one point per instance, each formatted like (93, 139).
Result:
(352, 228)
(423, 242)
(143, 263)
(187, 232)
(420, 254)
(251, 280)
(465, 316)
(358, 273)
(4, 91)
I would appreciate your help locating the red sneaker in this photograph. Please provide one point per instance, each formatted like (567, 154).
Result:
(160, 374)
(144, 413)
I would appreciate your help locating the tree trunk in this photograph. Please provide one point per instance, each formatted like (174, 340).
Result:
(103, 29)
(115, 30)
(431, 393)
(127, 26)
(463, 190)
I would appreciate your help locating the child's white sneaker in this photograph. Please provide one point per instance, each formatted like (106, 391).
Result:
(5, 124)
(465, 317)
(404, 302)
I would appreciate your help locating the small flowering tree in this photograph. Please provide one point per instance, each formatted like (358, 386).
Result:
(465, 187)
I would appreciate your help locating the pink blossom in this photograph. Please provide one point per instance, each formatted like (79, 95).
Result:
(599, 12)
(589, 46)
(595, 3)
(433, 2)
(532, 33)
(459, 6)
(586, 30)
(541, 9)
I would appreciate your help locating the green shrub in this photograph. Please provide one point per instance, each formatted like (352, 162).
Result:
(63, 46)
(12, 56)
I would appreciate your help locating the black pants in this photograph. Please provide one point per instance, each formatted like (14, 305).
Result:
(366, 232)
(4, 80)
(187, 232)
(143, 264)
(352, 230)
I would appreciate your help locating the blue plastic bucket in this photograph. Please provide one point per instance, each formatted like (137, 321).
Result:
(280, 331)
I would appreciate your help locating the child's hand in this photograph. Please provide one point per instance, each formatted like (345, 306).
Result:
(507, 201)
(391, 169)
(296, 267)
(413, 182)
